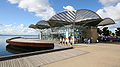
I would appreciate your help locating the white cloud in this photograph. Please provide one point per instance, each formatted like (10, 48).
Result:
(17, 30)
(13, 1)
(39, 7)
(108, 2)
(111, 9)
(22, 25)
(8, 25)
(68, 8)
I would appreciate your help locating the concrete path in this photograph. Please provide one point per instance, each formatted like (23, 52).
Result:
(42, 59)
(100, 55)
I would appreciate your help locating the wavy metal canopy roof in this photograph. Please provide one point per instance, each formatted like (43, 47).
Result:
(43, 24)
(33, 26)
(40, 25)
(81, 17)
(106, 21)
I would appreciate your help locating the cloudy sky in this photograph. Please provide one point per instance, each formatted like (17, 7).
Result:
(17, 15)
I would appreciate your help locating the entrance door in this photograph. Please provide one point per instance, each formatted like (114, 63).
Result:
(78, 37)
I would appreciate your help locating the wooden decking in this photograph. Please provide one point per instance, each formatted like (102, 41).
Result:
(41, 59)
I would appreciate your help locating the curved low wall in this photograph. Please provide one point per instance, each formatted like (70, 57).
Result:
(31, 44)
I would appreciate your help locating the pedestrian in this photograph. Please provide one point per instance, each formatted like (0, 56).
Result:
(89, 41)
(66, 41)
(71, 41)
(61, 40)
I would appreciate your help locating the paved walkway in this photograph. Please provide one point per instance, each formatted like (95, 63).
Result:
(42, 59)
(92, 55)
(100, 55)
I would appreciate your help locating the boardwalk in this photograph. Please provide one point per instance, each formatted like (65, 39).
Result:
(41, 59)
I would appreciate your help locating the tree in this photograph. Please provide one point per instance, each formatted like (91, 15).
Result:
(113, 34)
(105, 31)
(99, 31)
(117, 32)
(110, 33)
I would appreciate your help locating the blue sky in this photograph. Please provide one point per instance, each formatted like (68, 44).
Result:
(76, 4)
(11, 14)
(16, 13)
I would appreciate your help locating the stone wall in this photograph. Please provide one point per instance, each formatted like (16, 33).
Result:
(91, 33)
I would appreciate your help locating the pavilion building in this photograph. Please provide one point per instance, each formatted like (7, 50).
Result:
(78, 24)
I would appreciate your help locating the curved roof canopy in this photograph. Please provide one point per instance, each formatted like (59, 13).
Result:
(81, 17)
(64, 16)
(42, 24)
(33, 26)
(106, 21)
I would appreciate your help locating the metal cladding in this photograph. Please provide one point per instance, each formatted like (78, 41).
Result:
(83, 17)
(32, 26)
(85, 14)
(65, 16)
(42, 24)
(106, 21)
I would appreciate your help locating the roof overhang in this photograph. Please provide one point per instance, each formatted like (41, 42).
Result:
(106, 21)
(83, 17)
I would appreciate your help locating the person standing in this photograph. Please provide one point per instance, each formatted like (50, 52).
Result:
(61, 40)
(71, 41)
(66, 41)
(89, 41)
